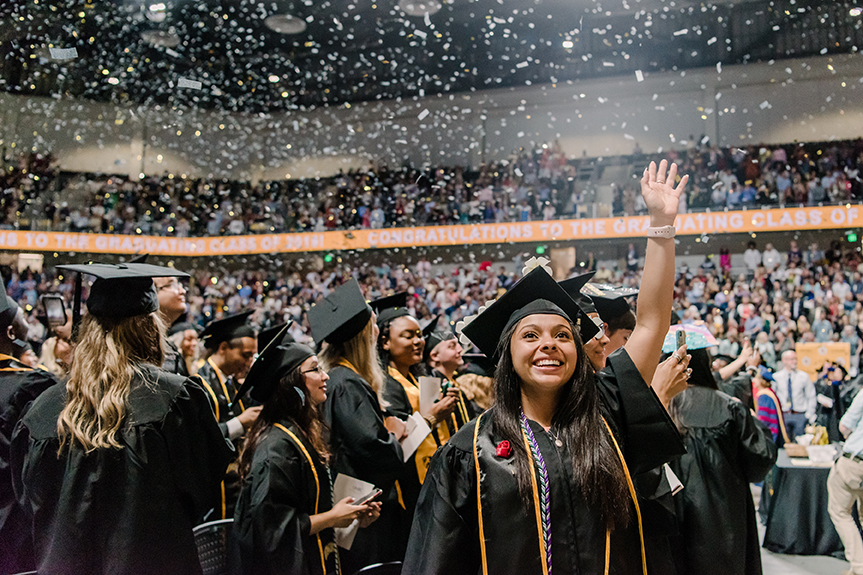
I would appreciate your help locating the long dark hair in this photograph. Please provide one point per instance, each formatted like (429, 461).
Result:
(285, 404)
(596, 467)
(702, 376)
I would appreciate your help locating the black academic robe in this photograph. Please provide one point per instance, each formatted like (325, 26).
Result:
(445, 534)
(221, 391)
(126, 511)
(727, 448)
(287, 483)
(174, 361)
(19, 385)
(363, 448)
(409, 483)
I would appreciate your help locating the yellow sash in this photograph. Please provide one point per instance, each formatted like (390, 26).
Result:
(428, 447)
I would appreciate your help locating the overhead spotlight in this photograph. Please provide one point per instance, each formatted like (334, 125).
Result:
(273, 78)
(420, 7)
(285, 24)
(856, 11)
(567, 44)
(160, 38)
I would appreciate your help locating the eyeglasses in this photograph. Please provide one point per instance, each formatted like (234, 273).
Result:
(174, 285)
(316, 369)
(601, 325)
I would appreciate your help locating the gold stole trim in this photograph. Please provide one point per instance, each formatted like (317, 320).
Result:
(479, 499)
(781, 418)
(209, 390)
(220, 376)
(345, 363)
(536, 505)
(317, 487)
(631, 494)
(4, 357)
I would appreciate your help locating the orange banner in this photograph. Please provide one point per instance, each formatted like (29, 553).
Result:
(773, 220)
(812, 356)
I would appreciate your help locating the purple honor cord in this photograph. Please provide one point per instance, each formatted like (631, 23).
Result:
(544, 487)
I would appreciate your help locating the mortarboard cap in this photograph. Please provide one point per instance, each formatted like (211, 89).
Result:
(226, 329)
(269, 334)
(535, 293)
(183, 326)
(341, 315)
(278, 359)
(123, 290)
(139, 259)
(434, 336)
(477, 364)
(575, 287)
(390, 307)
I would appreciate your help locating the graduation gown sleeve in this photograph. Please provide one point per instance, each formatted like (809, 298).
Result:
(648, 436)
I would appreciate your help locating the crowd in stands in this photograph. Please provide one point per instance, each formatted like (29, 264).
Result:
(530, 185)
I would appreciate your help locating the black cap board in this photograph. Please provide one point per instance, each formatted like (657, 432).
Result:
(577, 289)
(139, 259)
(183, 326)
(390, 307)
(269, 334)
(123, 290)
(433, 336)
(535, 293)
(341, 315)
(477, 364)
(272, 364)
(610, 301)
(227, 329)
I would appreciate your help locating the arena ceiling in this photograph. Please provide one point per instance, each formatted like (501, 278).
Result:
(230, 54)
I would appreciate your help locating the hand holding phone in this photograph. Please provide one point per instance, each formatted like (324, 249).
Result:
(373, 494)
(681, 338)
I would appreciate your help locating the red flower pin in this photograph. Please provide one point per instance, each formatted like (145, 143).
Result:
(504, 449)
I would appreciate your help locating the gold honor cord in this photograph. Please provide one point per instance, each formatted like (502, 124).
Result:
(479, 499)
(317, 487)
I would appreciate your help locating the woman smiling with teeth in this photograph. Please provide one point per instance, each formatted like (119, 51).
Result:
(542, 481)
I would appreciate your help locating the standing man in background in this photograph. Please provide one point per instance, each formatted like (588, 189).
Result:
(796, 393)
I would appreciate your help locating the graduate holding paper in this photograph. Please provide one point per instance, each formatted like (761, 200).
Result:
(285, 515)
(364, 442)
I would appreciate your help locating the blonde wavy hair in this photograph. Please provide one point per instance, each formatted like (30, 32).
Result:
(107, 357)
(362, 352)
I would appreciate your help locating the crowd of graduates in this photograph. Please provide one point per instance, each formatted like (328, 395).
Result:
(574, 420)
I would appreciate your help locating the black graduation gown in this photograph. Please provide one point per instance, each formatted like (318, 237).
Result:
(409, 483)
(221, 392)
(445, 535)
(19, 385)
(174, 361)
(123, 511)
(363, 448)
(727, 448)
(271, 520)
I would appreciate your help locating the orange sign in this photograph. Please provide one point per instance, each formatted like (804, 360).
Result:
(773, 220)
(812, 356)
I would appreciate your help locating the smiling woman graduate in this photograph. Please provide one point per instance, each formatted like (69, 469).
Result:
(542, 482)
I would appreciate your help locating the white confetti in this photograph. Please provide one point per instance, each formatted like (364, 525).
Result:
(423, 114)
(719, 67)
(170, 52)
(628, 137)
(608, 64)
(711, 41)
(682, 32)
(522, 65)
(763, 105)
(639, 76)
(186, 83)
(520, 135)
(420, 34)
(63, 53)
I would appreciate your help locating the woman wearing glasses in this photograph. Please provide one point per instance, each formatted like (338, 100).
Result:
(284, 519)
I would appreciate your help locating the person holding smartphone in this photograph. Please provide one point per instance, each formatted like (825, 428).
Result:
(284, 519)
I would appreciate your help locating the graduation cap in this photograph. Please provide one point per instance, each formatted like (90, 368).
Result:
(272, 364)
(341, 315)
(434, 336)
(269, 334)
(139, 259)
(8, 307)
(226, 329)
(183, 326)
(120, 290)
(575, 287)
(610, 301)
(535, 293)
(478, 364)
(390, 307)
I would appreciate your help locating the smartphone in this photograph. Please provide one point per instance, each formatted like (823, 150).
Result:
(681, 338)
(55, 310)
(373, 494)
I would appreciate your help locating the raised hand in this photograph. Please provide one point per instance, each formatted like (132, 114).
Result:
(660, 195)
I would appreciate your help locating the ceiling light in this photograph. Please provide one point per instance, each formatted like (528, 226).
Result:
(567, 44)
(273, 78)
(855, 11)
(160, 38)
(285, 24)
(113, 81)
(419, 7)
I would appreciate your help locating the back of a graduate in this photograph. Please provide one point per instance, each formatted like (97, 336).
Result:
(113, 467)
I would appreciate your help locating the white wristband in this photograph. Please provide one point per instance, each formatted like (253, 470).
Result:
(663, 232)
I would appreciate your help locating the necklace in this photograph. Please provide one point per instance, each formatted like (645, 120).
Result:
(555, 436)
